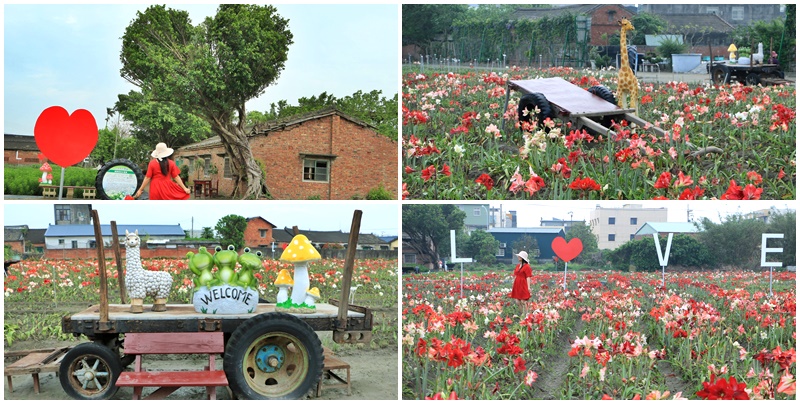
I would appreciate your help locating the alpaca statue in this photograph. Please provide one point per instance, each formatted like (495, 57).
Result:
(758, 58)
(142, 283)
(626, 80)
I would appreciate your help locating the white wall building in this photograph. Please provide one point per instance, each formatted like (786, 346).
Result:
(616, 226)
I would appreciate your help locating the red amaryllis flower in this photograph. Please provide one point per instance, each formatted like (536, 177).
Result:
(751, 192)
(534, 184)
(585, 184)
(734, 192)
(683, 180)
(519, 364)
(485, 180)
(691, 194)
(440, 396)
(754, 177)
(428, 172)
(409, 170)
(664, 180)
(446, 170)
(722, 389)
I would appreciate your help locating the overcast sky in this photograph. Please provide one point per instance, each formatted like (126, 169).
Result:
(68, 55)
(379, 218)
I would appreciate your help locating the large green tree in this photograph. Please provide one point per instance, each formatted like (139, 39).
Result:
(589, 239)
(784, 223)
(230, 231)
(210, 70)
(160, 121)
(427, 228)
(483, 247)
(735, 242)
(423, 22)
(115, 143)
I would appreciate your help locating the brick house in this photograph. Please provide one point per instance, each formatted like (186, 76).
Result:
(20, 149)
(324, 154)
(605, 17)
(258, 233)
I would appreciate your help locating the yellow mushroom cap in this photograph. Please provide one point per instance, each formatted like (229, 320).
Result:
(284, 278)
(313, 292)
(732, 48)
(299, 250)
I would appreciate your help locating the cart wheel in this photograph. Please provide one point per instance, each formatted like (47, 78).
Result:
(273, 356)
(532, 101)
(89, 372)
(752, 79)
(718, 75)
(604, 93)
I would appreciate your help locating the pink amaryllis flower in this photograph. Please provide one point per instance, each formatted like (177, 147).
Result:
(531, 377)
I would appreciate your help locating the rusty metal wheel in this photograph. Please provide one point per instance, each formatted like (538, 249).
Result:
(273, 356)
(89, 372)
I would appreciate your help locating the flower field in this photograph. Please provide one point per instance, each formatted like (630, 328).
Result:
(38, 293)
(722, 142)
(611, 335)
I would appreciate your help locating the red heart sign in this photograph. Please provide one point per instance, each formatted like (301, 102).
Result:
(65, 139)
(567, 251)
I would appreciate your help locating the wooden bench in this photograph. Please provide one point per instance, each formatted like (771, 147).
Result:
(34, 362)
(330, 364)
(139, 344)
(89, 192)
(49, 191)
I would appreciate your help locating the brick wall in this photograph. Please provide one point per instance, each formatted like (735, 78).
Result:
(21, 157)
(91, 253)
(602, 25)
(252, 233)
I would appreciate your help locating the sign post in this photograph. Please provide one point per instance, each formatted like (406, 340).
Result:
(663, 259)
(454, 260)
(765, 250)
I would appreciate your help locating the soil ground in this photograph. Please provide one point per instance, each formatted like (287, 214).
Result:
(373, 372)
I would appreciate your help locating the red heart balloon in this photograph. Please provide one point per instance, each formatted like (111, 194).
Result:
(63, 138)
(567, 251)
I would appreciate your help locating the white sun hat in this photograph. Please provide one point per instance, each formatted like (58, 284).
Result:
(161, 151)
(523, 255)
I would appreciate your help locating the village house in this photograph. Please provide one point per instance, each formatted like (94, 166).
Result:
(20, 149)
(544, 237)
(258, 234)
(324, 154)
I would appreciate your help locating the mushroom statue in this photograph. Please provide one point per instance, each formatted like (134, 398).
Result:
(311, 297)
(283, 282)
(732, 56)
(299, 252)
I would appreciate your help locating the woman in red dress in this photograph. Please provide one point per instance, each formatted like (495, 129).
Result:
(163, 177)
(521, 289)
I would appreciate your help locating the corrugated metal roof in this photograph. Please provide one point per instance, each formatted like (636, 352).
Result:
(655, 40)
(83, 230)
(19, 142)
(549, 229)
(667, 227)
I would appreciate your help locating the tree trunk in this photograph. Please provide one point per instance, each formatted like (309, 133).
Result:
(249, 183)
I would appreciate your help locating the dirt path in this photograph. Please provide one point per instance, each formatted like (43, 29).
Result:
(553, 374)
(675, 382)
(374, 376)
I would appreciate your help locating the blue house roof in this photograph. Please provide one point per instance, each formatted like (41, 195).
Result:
(87, 230)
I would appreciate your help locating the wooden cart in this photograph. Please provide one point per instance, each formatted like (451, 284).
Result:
(267, 354)
(753, 75)
(557, 98)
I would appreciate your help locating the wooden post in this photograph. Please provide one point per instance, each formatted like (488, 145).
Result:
(347, 277)
(120, 269)
(101, 265)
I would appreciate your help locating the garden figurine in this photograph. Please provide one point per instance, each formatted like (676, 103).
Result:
(250, 263)
(283, 282)
(758, 57)
(142, 283)
(47, 171)
(311, 297)
(299, 252)
(732, 56)
(521, 290)
(226, 262)
(627, 85)
(201, 264)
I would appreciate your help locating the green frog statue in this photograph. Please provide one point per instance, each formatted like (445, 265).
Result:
(201, 264)
(226, 262)
(250, 264)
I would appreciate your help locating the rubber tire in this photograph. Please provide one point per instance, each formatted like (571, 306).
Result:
(281, 325)
(752, 79)
(604, 93)
(531, 101)
(92, 351)
(718, 75)
(98, 182)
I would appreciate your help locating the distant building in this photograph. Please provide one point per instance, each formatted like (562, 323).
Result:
(664, 228)
(478, 216)
(765, 215)
(544, 237)
(24, 240)
(81, 236)
(258, 234)
(336, 239)
(413, 258)
(555, 222)
(72, 213)
(604, 17)
(616, 226)
(392, 240)
(20, 149)
(736, 14)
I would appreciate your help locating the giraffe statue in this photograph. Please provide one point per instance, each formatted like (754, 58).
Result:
(626, 81)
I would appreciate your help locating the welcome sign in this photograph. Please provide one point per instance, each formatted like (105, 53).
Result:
(224, 299)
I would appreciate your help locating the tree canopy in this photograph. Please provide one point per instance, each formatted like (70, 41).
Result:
(427, 228)
(161, 121)
(230, 231)
(210, 70)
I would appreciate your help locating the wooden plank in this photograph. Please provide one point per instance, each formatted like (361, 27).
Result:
(198, 378)
(347, 276)
(566, 96)
(101, 264)
(118, 256)
(174, 343)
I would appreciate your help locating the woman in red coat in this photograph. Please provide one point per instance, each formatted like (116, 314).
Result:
(521, 289)
(163, 176)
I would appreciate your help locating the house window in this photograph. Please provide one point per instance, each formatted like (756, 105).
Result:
(74, 243)
(206, 164)
(612, 237)
(634, 220)
(63, 213)
(61, 241)
(92, 244)
(226, 170)
(612, 220)
(316, 170)
(410, 258)
(612, 15)
(262, 233)
(501, 252)
(632, 235)
(737, 13)
(712, 10)
(476, 211)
